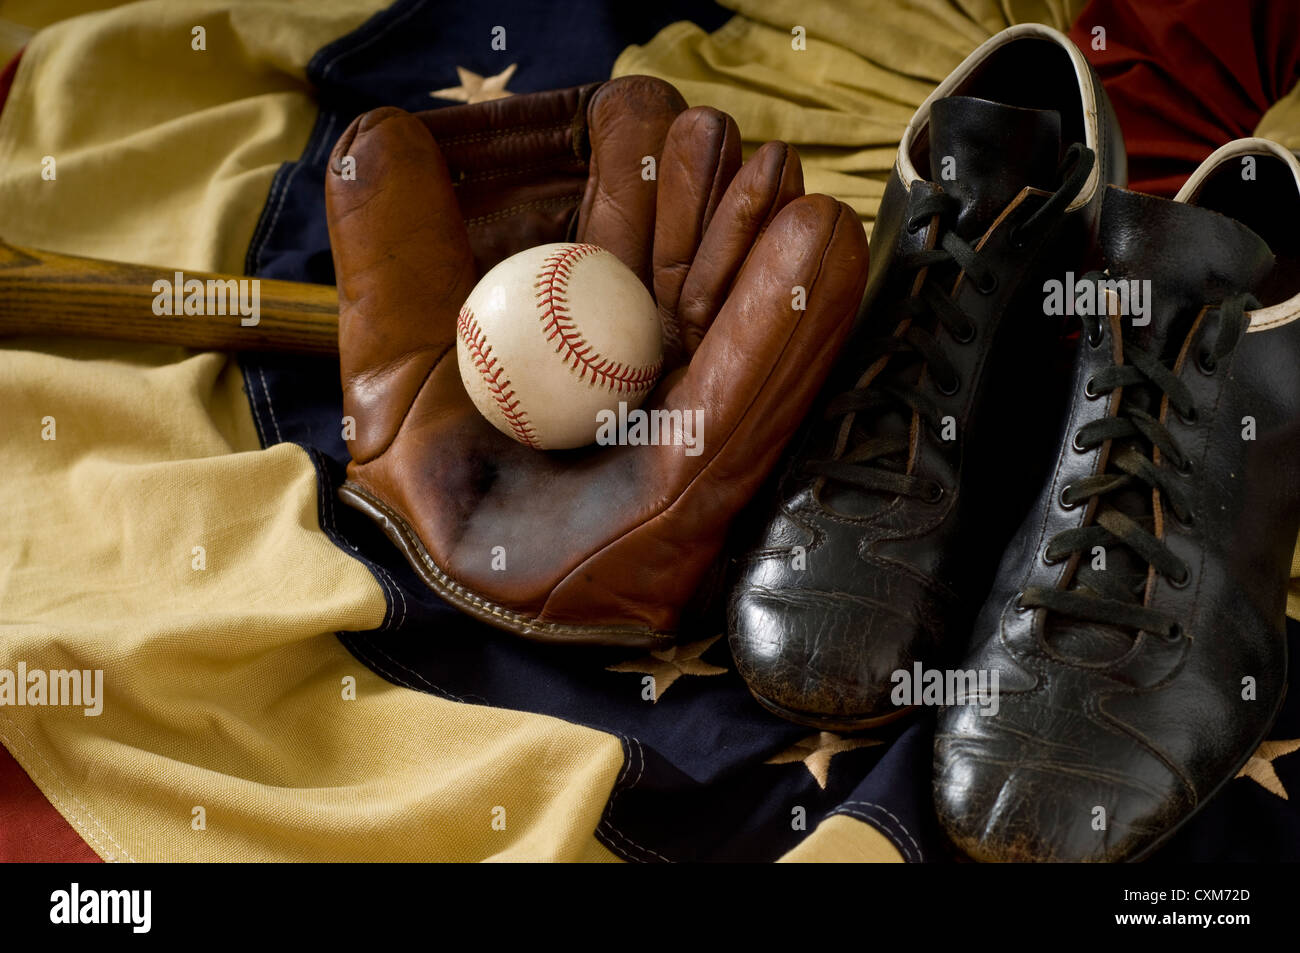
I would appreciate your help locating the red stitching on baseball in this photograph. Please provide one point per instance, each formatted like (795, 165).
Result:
(490, 369)
(553, 281)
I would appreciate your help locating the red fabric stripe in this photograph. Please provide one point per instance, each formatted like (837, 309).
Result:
(31, 830)
(1186, 76)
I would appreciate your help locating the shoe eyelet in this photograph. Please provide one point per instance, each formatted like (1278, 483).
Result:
(1189, 523)
(1096, 334)
(1190, 418)
(914, 226)
(1066, 505)
(1186, 467)
(1090, 389)
(1206, 363)
(1019, 606)
(967, 336)
(1016, 238)
(934, 495)
(987, 287)
(956, 386)
(1048, 560)
(1181, 583)
(1175, 633)
(1078, 448)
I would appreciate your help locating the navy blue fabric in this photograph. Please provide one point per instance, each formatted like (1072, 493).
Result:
(696, 783)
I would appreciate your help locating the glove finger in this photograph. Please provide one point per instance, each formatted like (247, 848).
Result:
(761, 364)
(700, 158)
(768, 182)
(403, 266)
(628, 119)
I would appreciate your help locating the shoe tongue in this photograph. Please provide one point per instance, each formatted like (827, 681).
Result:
(984, 153)
(1192, 256)
(970, 160)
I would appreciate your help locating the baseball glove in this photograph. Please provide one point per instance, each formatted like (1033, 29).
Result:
(756, 285)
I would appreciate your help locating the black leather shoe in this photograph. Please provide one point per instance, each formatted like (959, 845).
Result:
(1137, 624)
(886, 524)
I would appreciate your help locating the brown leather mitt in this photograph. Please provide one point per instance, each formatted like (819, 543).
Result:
(603, 545)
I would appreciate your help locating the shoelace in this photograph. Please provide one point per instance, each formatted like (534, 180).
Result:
(1101, 597)
(873, 463)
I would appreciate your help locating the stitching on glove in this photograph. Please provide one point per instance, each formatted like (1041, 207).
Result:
(489, 135)
(558, 201)
(563, 162)
(453, 592)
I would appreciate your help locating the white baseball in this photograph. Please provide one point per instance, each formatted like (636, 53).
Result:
(554, 335)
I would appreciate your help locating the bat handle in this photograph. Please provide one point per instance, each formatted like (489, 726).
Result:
(46, 293)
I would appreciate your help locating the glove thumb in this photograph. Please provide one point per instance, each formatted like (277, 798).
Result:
(403, 265)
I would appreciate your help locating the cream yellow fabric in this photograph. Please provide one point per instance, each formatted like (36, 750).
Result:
(1282, 121)
(163, 154)
(224, 685)
(841, 839)
(35, 14)
(13, 37)
(845, 99)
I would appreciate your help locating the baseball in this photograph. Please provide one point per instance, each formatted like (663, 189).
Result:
(552, 336)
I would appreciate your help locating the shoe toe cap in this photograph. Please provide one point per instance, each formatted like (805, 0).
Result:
(823, 657)
(1045, 783)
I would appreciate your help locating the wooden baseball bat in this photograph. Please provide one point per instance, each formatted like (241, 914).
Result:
(45, 293)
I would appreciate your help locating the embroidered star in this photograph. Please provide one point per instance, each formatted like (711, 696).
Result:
(665, 666)
(1260, 766)
(816, 752)
(474, 88)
